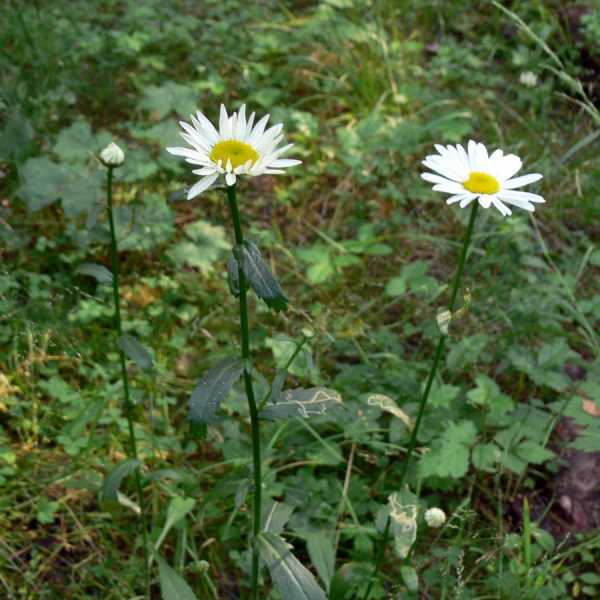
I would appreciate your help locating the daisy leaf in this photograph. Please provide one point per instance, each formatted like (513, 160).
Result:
(301, 402)
(259, 276)
(212, 388)
(293, 580)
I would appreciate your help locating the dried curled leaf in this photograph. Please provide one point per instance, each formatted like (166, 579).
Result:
(388, 405)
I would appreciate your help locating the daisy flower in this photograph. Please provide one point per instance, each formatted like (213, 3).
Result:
(239, 147)
(472, 173)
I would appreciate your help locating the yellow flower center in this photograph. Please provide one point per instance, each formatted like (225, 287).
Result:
(239, 153)
(481, 183)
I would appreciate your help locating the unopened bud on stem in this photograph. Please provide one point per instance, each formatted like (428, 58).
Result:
(112, 156)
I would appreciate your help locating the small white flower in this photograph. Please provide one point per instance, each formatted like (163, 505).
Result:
(472, 173)
(528, 79)
(435, 517)
(238, 148)
(112, 156)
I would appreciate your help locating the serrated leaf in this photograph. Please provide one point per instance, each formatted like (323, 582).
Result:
(99, 272)
(138, 353)
(301, 402)
(112, 482)
(449, 456)
(291, 578)
(172, 585)
(260, 278)
(75, 143)
(275, 516)
(212, 388)
(45, 182)
(322, 554)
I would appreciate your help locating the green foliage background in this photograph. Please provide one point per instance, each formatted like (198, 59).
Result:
(362, 247)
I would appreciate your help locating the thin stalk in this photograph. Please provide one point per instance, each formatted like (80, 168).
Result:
(245, 337)
(128, 405)
(436, 361)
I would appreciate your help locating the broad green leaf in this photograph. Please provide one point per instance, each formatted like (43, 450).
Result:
(320, 272)
(75, 143)
(99, 272)
(284, 348)
(301, 402)
(45, 182)
(112, 482)
(291, 578)
(212, 388)
(322, 554)
(275, 516)
(138, 165)
(169, 97)
(89, 414)
(16, 137)
(259, 276)
(449, 456)
(533, 452)
(135, 351)
(172, 585)
(396, 286)
(178, 508)
(485, 457)
(206, 244)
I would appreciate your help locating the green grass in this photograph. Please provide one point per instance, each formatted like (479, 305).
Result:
(362, 247)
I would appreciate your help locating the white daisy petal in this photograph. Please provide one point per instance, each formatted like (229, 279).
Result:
(485, 200)
(230, 178)
(501, 206)
(482, 158)
(436, 178)
(201, 186)
(450, 188)
(224, 129)
(517, 182)
(459, 198)
(186, 152)
(472, 153)
(206, 127)
(258, 130)
(466, 201)
(443, 169)
(204, 171)
(285, 162)
(519, 195)
(505, 167)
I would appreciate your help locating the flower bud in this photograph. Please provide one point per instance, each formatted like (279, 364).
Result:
(112, 156)
(435, 517)
(307, 333)
(528, 79)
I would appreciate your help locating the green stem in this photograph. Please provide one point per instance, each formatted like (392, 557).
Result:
(128, 405)
(412, 442)
(245, 335)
